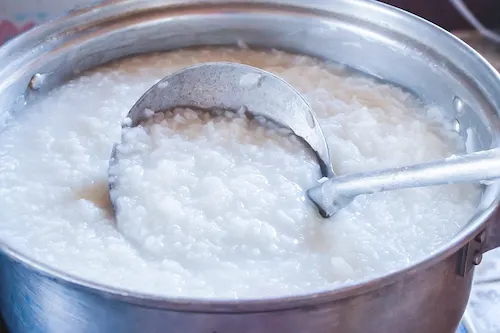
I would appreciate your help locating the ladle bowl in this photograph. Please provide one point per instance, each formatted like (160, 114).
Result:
(231, 87)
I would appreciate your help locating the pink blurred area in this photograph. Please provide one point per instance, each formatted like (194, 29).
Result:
(17, 16)
(8, 29)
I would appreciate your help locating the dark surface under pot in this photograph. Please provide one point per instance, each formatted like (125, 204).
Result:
(3, 329)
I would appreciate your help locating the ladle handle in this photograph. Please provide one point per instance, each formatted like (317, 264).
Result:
(336, 192)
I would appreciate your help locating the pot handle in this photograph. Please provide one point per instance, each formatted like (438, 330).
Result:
(462, 8)
(492, 240)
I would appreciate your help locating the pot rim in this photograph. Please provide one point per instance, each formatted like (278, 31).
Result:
(108, 11)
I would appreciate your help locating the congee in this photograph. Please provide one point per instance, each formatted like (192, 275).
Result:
(214, 206)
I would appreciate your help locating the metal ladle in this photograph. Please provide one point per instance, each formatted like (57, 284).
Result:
(335, 193)
(230, 86)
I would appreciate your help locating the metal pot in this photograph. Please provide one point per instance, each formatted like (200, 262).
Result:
(429, 296)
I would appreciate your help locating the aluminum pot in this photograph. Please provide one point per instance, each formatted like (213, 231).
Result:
(428, 296)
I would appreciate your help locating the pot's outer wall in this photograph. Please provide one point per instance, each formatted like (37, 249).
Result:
(430, 301)
(430, 297)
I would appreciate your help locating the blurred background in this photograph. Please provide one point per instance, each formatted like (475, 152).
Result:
(442, 13)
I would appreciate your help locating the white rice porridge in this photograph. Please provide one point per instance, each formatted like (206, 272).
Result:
(214, 207)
